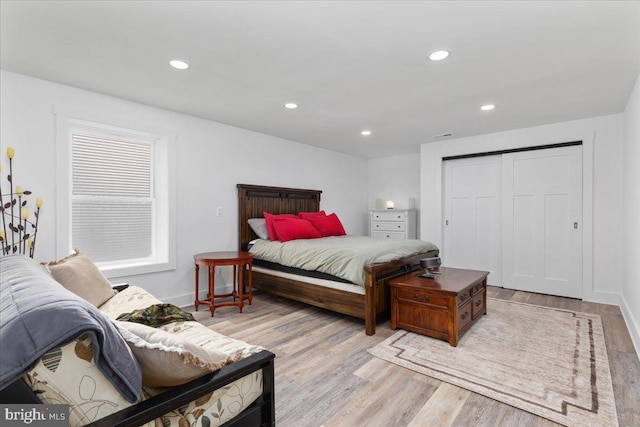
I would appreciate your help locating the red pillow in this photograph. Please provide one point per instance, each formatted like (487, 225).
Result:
(269, 219)
(329, 225)
(294, 228)
(306, 215)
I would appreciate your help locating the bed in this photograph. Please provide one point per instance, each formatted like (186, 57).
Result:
(370, 303)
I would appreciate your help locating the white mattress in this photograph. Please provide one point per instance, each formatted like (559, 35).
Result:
(348, 287)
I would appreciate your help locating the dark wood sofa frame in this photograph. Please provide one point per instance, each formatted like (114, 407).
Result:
(374, 305)
(260, 413)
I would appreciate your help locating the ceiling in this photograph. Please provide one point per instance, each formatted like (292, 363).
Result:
(350, 65)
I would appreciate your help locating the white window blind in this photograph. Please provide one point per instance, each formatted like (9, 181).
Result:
(112, 197)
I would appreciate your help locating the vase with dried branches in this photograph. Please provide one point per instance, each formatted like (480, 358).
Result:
(19, 231)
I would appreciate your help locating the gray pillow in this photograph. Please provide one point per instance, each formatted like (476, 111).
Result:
(259, 226)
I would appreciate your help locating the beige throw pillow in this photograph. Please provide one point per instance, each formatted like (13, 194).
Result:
(169, 360)
(81, 276)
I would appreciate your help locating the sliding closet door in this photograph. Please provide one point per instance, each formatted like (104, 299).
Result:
(473, 207)
(542, 221)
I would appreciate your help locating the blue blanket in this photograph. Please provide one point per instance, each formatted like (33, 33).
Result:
(37, 315)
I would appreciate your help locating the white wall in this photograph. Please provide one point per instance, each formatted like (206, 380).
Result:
(211, 159)
(395, 178)
(630, 303)
(602, 179)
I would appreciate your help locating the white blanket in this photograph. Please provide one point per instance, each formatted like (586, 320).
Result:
(341, 256)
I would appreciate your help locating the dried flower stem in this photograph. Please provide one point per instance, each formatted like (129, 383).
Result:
(11, 224)
(35, 233)
(21, 231)
(19, 248)
(4, 223)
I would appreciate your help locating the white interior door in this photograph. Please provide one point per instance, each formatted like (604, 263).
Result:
(473, 207)
(542, 221)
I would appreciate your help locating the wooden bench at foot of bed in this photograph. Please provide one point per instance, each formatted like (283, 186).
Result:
(371, 306)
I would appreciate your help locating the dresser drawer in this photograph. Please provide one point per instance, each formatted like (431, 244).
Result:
(478, 305)
(478, 288)
(422, 297)
(422, 319)
(463, 297)
(384, 222)
(388, 226)
(388, 216)
(389, 235)
(464, 316)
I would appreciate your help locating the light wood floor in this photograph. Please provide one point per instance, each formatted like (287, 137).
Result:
(325, 377)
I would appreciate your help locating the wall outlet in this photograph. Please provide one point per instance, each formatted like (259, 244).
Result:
(219, 211)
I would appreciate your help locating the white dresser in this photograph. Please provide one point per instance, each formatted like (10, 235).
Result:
(393, 223)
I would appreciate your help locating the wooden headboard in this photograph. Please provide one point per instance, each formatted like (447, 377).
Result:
(253, 200)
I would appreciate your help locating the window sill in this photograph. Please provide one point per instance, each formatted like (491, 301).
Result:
(133, 268)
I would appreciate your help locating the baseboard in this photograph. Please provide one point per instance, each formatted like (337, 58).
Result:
(181, 301)
(186, 300)
(632, 325)
(601, 297)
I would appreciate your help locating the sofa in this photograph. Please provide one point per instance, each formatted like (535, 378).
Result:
(121, 357)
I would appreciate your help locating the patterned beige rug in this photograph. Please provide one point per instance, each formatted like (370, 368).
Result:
(550, 362)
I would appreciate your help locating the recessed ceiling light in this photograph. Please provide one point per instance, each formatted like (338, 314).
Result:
(180, 65)
(487, 107)
(438, 55)
(291, 105)
(365, 132)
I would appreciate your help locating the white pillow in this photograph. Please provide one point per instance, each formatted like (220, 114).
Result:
(259, 226)
(169, 360)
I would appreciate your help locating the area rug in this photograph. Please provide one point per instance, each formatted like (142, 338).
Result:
(547, 361)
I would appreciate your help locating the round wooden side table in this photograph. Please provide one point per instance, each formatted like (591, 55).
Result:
(239, 260)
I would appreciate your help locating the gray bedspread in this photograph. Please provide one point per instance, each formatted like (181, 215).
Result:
(37, 315)
(340, 256)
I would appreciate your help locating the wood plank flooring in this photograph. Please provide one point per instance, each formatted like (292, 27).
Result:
(325, 377)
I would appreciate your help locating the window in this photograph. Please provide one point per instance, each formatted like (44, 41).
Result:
(118, 209)
(113, 199)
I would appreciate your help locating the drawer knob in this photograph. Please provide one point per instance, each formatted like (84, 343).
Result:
(425, 299)
(465, 315)
(463, 297)
(478, 302)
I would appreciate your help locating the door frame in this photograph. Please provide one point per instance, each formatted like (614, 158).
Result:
(431, 174)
